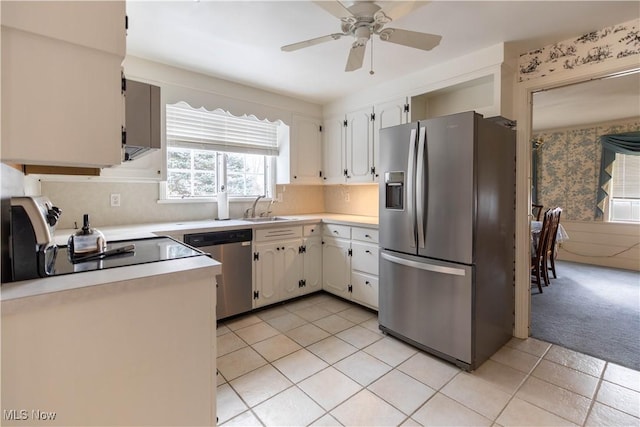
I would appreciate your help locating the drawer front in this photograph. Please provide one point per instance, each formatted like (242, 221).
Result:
(312, 230)
(364, 257)
(369, 235)
(365, 289)
(340, 231)
(269, 234)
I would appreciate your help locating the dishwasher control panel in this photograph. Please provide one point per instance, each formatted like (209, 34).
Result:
(213, 238)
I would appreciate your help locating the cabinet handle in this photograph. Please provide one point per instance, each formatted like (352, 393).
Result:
(335, 231)
(313, 230)
(367, 236)
(277, 249)
(367, 283)
(283, 248)
(368, 251)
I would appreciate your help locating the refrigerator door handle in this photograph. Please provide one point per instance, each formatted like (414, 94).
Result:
(411, 181)
(420, 186)
(423, 265)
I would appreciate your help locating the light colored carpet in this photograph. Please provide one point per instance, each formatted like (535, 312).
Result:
(590, 309)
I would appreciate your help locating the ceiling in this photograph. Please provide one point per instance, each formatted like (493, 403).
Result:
(240, 40)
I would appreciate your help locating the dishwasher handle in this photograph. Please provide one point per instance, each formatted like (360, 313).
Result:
(215, 238)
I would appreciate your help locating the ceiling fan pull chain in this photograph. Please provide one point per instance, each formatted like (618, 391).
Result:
(371, 71)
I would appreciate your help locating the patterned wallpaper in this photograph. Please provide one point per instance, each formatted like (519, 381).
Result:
(568, 167)
(615, 42)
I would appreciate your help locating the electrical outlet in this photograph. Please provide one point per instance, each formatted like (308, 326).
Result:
(346, 197)
(114, 200)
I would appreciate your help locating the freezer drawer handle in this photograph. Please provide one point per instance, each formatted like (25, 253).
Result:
(424, 266)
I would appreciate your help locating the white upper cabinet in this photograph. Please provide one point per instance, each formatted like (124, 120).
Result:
(95, 24)
(359, 145)
(333, 151)
(387, 114)
(62, 99)
(300, 162)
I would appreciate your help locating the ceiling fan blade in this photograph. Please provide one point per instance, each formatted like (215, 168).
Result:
(398, 9)
(310, 42)
(335, 8)
(413, 39)
(356, 57)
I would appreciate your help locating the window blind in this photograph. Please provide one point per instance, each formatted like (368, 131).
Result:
(626, 177)
(219, 130)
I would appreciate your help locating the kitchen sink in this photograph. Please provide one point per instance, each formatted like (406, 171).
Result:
(265, 219)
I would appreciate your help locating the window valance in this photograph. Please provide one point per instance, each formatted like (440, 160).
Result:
(219, 130)
(624, 143)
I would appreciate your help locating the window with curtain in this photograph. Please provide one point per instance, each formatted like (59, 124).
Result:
(208, 151)
(624, 198)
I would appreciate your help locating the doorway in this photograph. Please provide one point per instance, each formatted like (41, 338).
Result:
(566, 125)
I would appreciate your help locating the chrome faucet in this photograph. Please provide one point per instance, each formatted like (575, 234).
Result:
(252, 209)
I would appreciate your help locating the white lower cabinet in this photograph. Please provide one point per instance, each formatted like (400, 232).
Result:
(336, 266)
(364, 273)
(364, 289)
(287, 263)
(277, 265)
(293, 261)
(277, 270)
(350, 267)
(312, 265)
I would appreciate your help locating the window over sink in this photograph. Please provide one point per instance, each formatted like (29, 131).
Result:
(208, 151)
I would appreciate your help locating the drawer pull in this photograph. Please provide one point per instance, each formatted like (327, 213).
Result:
(367, 236)
(367, 283)
(335, 232)
(368, 251)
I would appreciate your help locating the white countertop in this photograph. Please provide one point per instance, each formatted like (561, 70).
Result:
(176, 229)
(27, 288)
(66, 282)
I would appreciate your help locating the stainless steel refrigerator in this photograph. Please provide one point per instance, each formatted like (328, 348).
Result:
(447, 214)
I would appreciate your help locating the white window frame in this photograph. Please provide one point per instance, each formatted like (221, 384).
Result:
(612, 199)
(221, 179)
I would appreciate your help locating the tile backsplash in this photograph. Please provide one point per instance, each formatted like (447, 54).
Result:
(352, 199)
(139, 202)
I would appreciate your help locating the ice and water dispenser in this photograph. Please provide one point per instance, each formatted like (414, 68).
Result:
(394, 190)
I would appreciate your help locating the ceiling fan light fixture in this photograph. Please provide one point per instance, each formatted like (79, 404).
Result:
(362, 34)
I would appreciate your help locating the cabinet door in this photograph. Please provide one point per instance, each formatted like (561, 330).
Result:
(306, 151)
(291, 267)
(387, 114)
(365, 258)
(95, 24)
(336, 266)
(62, 103)
(312, 269)
(365, 289)
(333, 135)
(359, 145)
(267, 270)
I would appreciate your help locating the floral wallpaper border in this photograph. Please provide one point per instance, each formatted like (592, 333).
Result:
(614, 42)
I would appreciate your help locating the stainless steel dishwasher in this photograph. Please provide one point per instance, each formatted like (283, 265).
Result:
(233, 249)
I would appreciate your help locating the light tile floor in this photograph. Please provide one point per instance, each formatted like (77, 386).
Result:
(322, 361)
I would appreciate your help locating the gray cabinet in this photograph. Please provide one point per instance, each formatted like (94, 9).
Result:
(142, 119)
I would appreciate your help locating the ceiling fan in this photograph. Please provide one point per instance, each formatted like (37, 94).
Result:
(362, 19)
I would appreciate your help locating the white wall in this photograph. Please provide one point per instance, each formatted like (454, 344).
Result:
(602, 243)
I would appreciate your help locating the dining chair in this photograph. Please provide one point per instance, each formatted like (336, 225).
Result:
(539, 257)
(553, 235)
(536, 210)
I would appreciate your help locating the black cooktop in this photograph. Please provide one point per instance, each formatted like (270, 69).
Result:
(146, 250)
